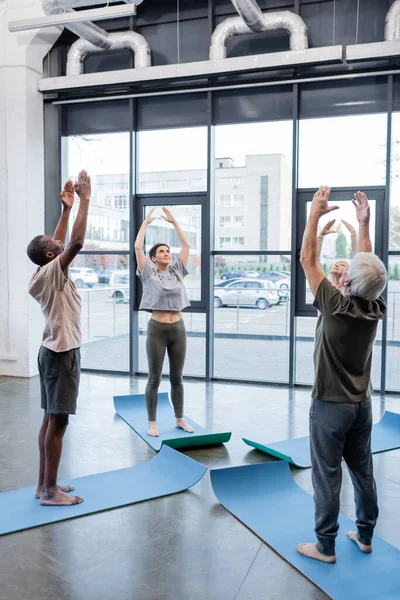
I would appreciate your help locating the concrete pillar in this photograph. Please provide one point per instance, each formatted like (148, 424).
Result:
(21, 183)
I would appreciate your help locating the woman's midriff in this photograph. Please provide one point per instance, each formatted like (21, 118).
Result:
(165, 316)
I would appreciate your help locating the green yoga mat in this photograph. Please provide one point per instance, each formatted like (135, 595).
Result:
(132, 409)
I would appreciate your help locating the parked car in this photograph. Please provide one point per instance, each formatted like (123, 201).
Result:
(104, 276)
(280, 280)
(83, 276)
(247, 292)
(233, 275)
(226, 282)
(119, 281)
(252, 274)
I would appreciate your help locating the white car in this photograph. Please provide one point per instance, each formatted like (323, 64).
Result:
(82, 276)
(119, 280)
(247, 292)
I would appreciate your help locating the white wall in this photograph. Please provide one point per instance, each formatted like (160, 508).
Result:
(21, 183)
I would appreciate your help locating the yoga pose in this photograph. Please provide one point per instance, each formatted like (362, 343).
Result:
(340, 413)
(164, 295)
(59, 355)
(341, 265)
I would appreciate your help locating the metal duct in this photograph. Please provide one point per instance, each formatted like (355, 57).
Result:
(294, 24)
(53, 7)
(118, 41)
(86, 30)
(392, 23)
(250, 13)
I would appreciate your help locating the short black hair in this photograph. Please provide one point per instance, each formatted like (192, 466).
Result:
(37, 249)
(153, 250)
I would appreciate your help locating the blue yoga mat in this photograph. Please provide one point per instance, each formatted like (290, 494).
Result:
(385, 436)
(132, 409)
(268, 501)
(169, 472)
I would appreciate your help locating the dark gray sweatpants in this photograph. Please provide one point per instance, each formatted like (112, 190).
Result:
(161, 338)
(341, 429)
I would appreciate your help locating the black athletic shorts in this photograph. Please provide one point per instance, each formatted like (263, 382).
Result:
(59, 380)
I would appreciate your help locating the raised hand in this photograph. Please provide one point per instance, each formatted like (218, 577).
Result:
(168, 215)
(149, 217)
(319, 204)
(349, 227)
(83, 186)
(362, 207)
(67, 196)
(327, 229)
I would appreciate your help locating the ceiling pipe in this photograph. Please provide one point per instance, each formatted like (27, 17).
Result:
(287, 20)
(392, 23)
(119, 41)
(250, 13)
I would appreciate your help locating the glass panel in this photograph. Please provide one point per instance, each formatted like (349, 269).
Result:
(106, 158)
(103, 282)
(189, 218)
(195, 324)
(393, 326)
(394, 221)
(343, 151)
(173, 160)
(253, 186)
(304, 370)
(340, 245)
(251, 317)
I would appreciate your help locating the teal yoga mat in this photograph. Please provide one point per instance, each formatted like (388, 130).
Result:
(169, 472)
(385, 436)
(132, 409)
(266, 499)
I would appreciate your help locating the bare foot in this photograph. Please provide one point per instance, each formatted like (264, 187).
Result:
(181, 424)
(353, 536)
(62, 488)
(311, 551)
(60, 499)
(152, 430)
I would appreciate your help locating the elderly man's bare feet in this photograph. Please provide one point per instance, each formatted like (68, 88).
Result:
(181, 424)
(311, 551)
(152, 429)
(59, 499)
(353, 536)
(62, 488)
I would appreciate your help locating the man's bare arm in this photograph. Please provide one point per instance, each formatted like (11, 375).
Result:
(67, 197)
(77, 239)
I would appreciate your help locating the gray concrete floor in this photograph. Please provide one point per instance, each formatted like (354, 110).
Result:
(175, 548)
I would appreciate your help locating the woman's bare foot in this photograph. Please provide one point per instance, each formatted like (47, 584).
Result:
(353, 536)
(62, 488)
(181, 424)
(60, 499)
(311, 551)
(152, 430)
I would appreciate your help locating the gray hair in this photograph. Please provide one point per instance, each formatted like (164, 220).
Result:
(368, 276)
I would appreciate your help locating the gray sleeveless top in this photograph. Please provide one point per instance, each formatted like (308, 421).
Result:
(163, 290)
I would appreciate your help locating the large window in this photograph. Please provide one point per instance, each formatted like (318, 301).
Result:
(173, 160)
(101, 271)
(253, 186)
(251, 317)
(343, 151)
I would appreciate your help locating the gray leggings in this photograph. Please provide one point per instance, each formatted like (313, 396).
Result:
(161, 337)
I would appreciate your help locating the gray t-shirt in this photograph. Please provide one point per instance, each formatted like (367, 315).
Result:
(163, 290)
(344, 337)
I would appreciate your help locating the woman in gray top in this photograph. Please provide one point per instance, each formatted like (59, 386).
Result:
(164, 295)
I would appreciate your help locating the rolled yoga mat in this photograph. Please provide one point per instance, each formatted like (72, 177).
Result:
(385, 436)
(168, 473)
(265, 498)
(132, 409)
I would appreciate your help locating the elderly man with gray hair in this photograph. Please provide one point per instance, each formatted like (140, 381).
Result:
(340, 413)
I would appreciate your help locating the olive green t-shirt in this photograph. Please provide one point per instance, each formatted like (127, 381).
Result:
(344, 337)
